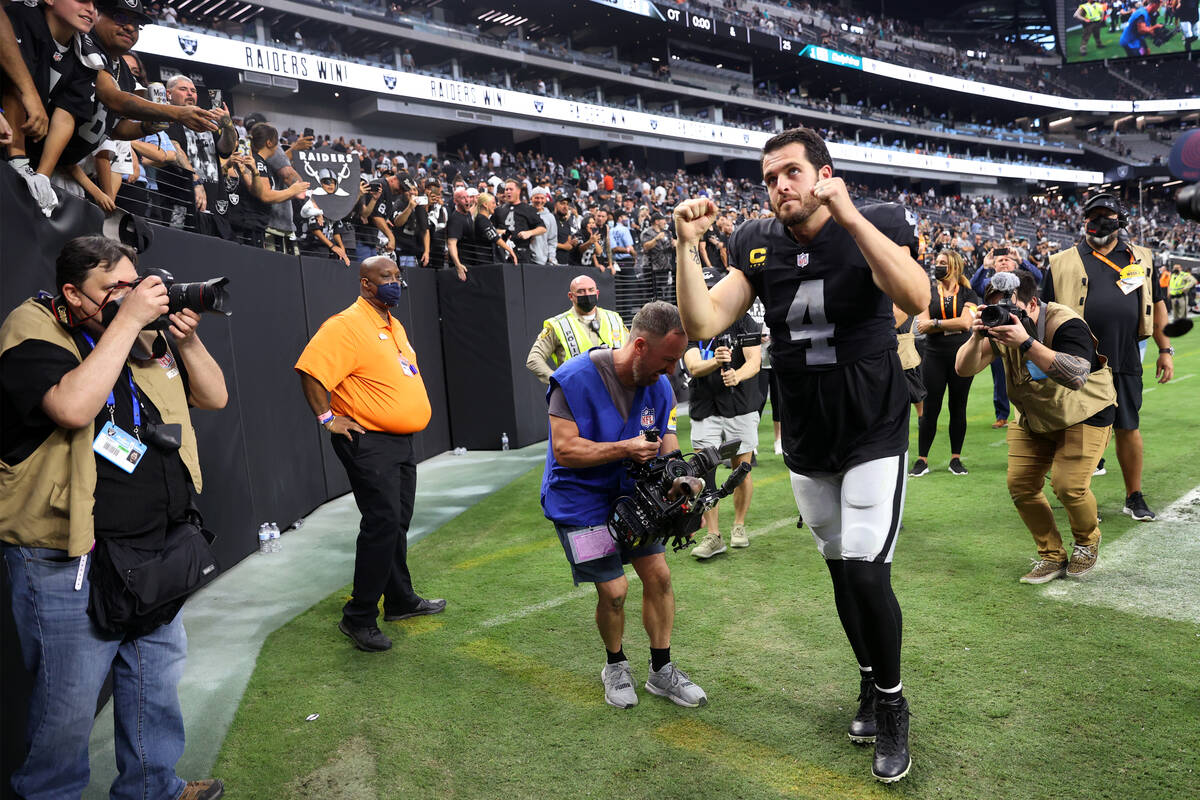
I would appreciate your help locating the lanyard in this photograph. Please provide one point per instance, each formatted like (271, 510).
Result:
(112, 400)
(1115, 268)
(953, 301)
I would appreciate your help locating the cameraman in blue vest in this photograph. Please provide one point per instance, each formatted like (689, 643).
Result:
(602, 403)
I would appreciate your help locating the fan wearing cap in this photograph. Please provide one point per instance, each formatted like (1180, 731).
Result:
(1063, 387)
(1108, 280)
(543, 252)
(322, 236)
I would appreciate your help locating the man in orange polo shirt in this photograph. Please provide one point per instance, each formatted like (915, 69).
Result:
(362, 356)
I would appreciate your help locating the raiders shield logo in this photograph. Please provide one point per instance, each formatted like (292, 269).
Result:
(188, 44)
(538, 106)
(802, 260)
(234, 199)
(653, 124)
(131, 3)
(389, 81)
(222, 207)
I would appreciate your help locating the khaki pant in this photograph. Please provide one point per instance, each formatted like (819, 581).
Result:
(1073, 453)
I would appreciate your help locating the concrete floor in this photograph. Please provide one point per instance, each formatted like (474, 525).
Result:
(227, 622)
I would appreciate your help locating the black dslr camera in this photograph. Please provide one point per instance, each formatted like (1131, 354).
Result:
(997, 313)
(669, 497)
(199, 296)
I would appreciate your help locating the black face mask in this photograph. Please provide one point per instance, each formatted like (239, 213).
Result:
(1102, 227)
(941, 272)
(586, 302)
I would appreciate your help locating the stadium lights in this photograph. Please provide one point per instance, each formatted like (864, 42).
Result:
(1172, 183)
(1063, 121)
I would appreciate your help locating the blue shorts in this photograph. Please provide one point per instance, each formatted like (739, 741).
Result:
(605, 568)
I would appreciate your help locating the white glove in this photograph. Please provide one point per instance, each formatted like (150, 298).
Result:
(39, 187)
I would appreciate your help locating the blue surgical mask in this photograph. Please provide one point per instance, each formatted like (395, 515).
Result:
(388, 293)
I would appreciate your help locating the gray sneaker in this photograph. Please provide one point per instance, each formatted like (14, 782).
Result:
(673, 683)
(618, 685)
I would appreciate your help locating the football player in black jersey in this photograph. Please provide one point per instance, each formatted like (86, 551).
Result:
(828, 273)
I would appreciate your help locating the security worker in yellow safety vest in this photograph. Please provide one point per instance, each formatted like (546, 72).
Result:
(1179, 288)
(1092, 17)
(575, 331)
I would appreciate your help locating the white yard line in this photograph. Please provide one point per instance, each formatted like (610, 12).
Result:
(1152, 571)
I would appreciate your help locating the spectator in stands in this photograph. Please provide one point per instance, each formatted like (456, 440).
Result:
(540, 248)
(620, 244)
(517, 222)
(658, 250)
(260, 190)
(202, 153)
(321, 235)
(460, 232)
(568, 222)
(438, 216)
(946, 324)
(590, 248)
(372, 231)
(488, 241)
(405, 209)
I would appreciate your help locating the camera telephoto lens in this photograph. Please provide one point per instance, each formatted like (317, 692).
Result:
(994, 315)
(1187, 202)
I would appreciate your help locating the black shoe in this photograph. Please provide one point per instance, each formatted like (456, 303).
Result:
(370, 640)
(892, 760)
(423, 607)
(919, 468)
(800, 521)
(1135, 506)
(862, 727)
(957, 467)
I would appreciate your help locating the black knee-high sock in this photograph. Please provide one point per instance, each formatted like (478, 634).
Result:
(848, 612)
(870, 586)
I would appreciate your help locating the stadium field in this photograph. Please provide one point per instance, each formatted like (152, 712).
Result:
(1073, 690)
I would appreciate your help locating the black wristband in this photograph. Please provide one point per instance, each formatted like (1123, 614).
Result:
(1025, 345)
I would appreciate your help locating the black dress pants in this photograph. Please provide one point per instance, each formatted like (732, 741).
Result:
(383, 477)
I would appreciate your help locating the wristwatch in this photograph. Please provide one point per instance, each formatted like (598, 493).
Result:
(1025, 345)
(1170, 351)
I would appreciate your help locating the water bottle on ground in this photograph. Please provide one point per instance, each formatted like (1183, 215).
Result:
(276, 545)
(264, 539)
(504, 441)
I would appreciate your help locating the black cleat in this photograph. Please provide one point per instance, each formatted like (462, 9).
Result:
(862, 727)
(892, 760)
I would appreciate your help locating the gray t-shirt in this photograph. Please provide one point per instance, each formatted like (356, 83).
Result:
(281, 213)
(621, 395)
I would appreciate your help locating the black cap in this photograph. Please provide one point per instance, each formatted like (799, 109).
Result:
(253, 118)
(133, 8)
(1103, 200)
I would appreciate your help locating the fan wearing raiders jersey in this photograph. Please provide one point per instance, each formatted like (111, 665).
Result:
(828, 274)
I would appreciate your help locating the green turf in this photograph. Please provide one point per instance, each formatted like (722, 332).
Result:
(1014, 694)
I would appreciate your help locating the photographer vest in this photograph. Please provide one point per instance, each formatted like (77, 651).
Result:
(47, 499)
(575, 336)
(1070, 284)
(906, 345)
(1047, 406)
(585, 496)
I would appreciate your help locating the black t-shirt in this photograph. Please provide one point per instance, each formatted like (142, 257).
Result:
(201, 151)
(158, 490)
(946, 306)
(1074, 339)
(92, 130)
(843, 395)
(330, 228)
(461, 227)
(410, 237)
(253, 214)
(710, 396)
(514, 218)
(486, 249)
(365, 230)
(1112, 315)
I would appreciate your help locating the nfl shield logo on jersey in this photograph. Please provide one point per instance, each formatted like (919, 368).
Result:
(647, 417)
(802, 260)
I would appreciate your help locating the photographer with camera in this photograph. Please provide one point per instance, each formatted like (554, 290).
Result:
(1109, 281)
(101, 475)
(723, 406)
(606, 407)
(1133, 38)
(1063, 388)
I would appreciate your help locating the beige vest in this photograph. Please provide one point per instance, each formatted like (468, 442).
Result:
(46, 500)
(906, 346)
(1047, 406)
(1070, 284)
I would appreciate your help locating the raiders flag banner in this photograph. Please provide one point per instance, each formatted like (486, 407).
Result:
(332, 178)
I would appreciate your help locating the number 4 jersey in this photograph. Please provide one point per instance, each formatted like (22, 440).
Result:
(833, 341)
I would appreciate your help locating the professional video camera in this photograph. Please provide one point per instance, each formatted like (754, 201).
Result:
(669, 498)
(199, 296)
(737, 340)
(1163, 35)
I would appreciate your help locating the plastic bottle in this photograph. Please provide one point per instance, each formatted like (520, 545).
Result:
(264, 539)
(276, 545)
(504, 441)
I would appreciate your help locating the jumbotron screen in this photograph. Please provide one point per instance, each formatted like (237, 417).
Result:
(1092, 31)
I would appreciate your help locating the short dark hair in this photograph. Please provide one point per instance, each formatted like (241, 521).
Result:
(655, 320)
(83, 254)
(814, 146)
(1027, 289)
(261, 134)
